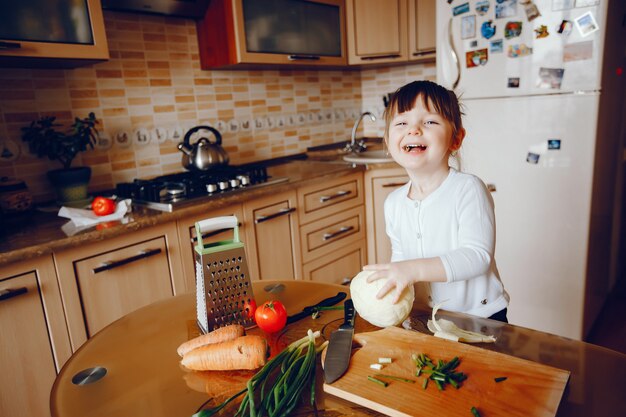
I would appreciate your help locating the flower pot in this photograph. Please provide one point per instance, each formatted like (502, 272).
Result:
(71, 184)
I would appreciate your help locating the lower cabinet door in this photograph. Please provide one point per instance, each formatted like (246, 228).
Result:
(34, 342)
(338, 268)
(114, 284)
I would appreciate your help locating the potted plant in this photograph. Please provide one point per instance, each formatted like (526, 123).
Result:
(44, 139)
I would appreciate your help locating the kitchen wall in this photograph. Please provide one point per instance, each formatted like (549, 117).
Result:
(153, 80)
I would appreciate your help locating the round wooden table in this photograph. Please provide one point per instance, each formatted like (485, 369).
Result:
(136, 372)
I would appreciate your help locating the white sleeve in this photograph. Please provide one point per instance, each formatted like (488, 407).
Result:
(476, 234)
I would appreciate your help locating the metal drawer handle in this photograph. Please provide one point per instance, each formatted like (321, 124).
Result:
(10, 293)
(10, 45)
(341, 231)
(371, 58)
(114, 264)
(303, 57)
(279, 213)
(325, 198)
(425, 52)
(213, 233)
(393, 184)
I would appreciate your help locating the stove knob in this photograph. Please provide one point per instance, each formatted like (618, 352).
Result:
(211, 188)
(223, 185)
(244, 179)
(234, 182)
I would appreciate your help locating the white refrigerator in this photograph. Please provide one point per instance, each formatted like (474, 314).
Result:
(530, 78)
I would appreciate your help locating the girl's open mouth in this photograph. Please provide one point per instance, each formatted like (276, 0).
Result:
(414, 148)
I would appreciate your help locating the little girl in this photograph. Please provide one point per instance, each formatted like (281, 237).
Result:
(441, 223)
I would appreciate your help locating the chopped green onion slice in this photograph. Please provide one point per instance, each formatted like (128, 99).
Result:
(378, 381)
(500, 379)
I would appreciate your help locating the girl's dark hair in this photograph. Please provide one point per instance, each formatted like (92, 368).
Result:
(443, 100)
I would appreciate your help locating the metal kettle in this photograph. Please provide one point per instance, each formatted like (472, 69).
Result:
(203, 154)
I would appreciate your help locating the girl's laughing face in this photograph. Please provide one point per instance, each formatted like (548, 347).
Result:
(420, 140)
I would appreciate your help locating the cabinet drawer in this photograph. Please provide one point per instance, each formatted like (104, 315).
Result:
(116, 283)
(339, 267)
(327, 235)
(322, 200)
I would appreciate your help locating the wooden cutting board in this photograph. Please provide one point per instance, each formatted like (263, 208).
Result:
(531, 389)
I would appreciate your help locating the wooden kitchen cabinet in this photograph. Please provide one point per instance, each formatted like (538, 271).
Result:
(62, 51)
(187, 236)
(294, 33)
(390, 31)
(35, 341)
(377, 31)
(103, 281)
(379, 183)
(271, 237)
(332, 229)
(422, 29)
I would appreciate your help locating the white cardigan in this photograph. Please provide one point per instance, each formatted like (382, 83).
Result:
(456, 223)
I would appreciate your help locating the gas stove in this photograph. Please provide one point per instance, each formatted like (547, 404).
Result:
(170, 192)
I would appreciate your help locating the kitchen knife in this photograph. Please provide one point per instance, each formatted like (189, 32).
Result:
(307, 311)
(340, 346)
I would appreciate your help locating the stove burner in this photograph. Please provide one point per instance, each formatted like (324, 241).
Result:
(169, 192)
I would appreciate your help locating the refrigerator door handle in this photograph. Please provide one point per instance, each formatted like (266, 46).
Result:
(454, 55)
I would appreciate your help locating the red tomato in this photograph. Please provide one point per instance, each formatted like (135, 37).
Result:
(271, 316)
(250, 309)
(102, 206)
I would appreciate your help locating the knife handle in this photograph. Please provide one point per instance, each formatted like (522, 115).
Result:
(348, 311)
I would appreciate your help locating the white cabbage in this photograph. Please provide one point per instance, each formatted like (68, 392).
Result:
(381, 313)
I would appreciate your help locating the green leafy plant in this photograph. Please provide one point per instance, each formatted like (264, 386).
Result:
(44, 139)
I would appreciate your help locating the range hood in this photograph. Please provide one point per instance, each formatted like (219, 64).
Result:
(183, 8)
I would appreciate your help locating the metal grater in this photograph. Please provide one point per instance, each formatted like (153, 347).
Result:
(223, 289)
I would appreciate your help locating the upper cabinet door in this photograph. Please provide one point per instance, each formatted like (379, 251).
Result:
(285, 32)
(41, 33)
(422, 30)
(377, 31)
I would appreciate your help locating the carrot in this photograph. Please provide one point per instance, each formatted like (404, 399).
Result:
(222, 334)
(245, 352)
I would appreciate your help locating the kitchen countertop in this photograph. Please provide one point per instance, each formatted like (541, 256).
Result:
(38, 233)
(144, 377)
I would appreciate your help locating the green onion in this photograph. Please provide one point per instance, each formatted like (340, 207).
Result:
(395, 378)
(500, 379)
(425, 383)
(443, 373)
(378, 381)
(475, 412)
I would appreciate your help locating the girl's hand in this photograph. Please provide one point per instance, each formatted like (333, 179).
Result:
(399, 276)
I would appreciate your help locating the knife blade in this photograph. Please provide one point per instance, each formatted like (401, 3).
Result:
(326, 302)
(340, 346)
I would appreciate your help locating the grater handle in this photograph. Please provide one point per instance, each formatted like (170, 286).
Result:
(217, 223)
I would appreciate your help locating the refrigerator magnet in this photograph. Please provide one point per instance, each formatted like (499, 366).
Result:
(532, 158)
(541, 32)
(513, 82)
(587, 3)
(550, 78)
(554, 144)
(532, 12)
(518, 50)
(512, 29)
(460, 9)
(562, 5)
(506, 8)
(482, 7)
(468, 27)
(565, 28)
(586, 24)
(578, 51)
(487, 29)
(496, 47)
(476, 58)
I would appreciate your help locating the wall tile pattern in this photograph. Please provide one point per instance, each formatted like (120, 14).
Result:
(153, 80)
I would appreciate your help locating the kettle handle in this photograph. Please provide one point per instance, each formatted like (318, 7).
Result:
(218, 136)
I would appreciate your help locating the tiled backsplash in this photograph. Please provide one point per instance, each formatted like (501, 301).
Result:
(153, 80)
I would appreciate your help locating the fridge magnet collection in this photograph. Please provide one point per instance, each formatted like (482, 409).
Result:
(548, 78)
(535, 151)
